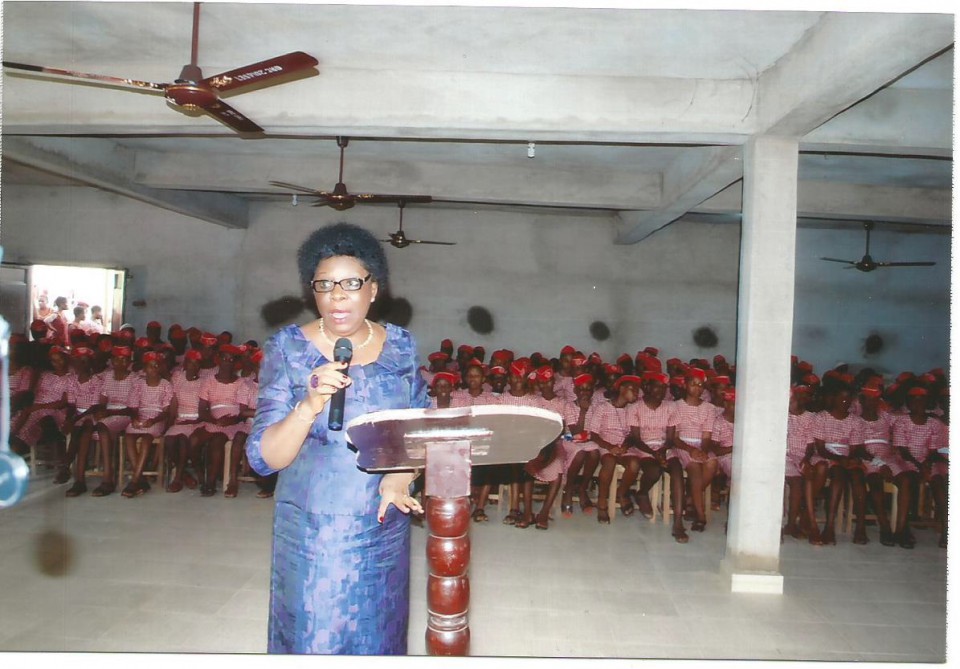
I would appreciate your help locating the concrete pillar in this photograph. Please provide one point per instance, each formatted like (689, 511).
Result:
(764, 337)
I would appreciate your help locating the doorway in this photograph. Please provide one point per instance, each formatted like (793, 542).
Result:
(26, 289)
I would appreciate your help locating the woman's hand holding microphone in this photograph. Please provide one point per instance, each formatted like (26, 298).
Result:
(322, 383)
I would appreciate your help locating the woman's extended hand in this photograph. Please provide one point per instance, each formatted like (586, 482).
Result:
(323, 382)
(394, 490)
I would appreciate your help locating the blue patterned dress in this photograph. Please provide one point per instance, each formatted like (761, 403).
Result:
(340, 579)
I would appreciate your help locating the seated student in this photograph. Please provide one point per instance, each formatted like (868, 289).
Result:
(472, 392)
(915, 435)
(548, 466)
(838, 436)
(223, 416)
(185, 410)
(565, 375)
(518, 394)
(152, 396)
(21, 373)
(41, 422)
(648, 419)
(441, 386)
(83, 394)
(805, 472)
(112, 416)
(721, 440)
(882, 462)
(438, 363)
(688, 433)
(581, 454)
(483, 478)
(154, 330)
(609, 428)
(207, 345)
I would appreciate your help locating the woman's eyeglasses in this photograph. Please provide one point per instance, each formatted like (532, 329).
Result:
(350, 285)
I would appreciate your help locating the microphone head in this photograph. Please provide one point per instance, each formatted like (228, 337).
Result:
(342, 350)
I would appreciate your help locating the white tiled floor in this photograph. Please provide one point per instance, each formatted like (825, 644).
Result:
(180, 573)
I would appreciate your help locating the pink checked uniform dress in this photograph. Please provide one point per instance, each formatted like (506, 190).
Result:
(82, 396)
(188, 403)
(920, 440)
(610, 423)
(571, 414)
(461, 397)
(652, 424)
(556, 467)
(50, 388)
(224, 399)
(799, 437)
(118, 394)
(563, 386)
(838, 435)
(723, 435)
(876, 438)
(151, 401)
(691, 422)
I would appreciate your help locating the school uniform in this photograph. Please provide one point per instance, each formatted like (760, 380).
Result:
(83, 395)
(563, 386)
(118, 394)
(557, 465)
(188, 403)
(691, 422)
(919, 439)
(652, 424)
(50, 388)
(150, 402)
(799, 437)
(838, 435)
(609, 422)
(224, 400)
(723, 436)
(876, 439)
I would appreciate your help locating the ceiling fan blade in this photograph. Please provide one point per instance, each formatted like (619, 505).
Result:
(849, 262)
(906, 264)
(381, 197)
(232, 117)
(258, 73)
(302, 189)
(116, 81)
(423, 241)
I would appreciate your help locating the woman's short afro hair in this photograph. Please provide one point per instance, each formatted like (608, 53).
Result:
(342, 239)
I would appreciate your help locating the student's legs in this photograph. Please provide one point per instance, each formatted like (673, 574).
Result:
(838, 482)
(859, 490)
(875, 483)
(676, 496)
(232, 486)
(631, 469)
(590, 464)
(214, 465)
(795, 485)
(907, 484)
(176, 448)
(566, 501)
(938, 488)
(608, 463)
(650, 474)
(82, 436)
(543, 518)
(109, 483)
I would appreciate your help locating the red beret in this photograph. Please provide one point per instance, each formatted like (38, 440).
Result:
(257, 356)
(718, 358)
(545, 373)
(697, 373)
(230, 349)
(674, 361)
(56, 350)
(722, 378)
(610, 368)
(465, 348)
(81, 352)
(520, 367)
(811, 379)
(651, 350)
(473, 362)
(579, 359)
(38, 326)
(595, 359)
(938, 371)
(626, 378)
(915, 392)
(438, 355)
(729, 395)
(225, 337)
(142, 342)
(846, 378)
(905, 376)
(126, 333)
(122, 352)
(568, 350)
(154, 324)
(105, 344)
(656, 376)
(928, 378)
(624, 358)
(582, 380)
(444, 376)
(804, 366)
(178, 335)
(151, 356)
(192, 354)
(796, 390)
(711, 373)
(208, 339)
(676, 381)
(446, 343)
(498, 370)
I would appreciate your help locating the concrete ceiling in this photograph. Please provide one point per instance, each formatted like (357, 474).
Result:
(640, 114)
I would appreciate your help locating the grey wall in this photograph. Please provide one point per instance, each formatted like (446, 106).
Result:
(544, 277)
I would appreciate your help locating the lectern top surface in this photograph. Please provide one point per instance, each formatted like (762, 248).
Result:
(398, 438)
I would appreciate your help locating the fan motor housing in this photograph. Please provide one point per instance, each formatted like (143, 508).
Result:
(191, 95)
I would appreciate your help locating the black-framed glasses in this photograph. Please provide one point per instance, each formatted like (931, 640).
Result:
(350, 285)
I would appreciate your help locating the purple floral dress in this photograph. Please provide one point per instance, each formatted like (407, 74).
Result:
(340, 579)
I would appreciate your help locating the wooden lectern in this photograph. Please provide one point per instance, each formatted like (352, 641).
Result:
(447, 443)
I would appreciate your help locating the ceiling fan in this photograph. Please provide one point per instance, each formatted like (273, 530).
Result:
(191, 92)
(399, 239)
(868, 264)
(341, 199)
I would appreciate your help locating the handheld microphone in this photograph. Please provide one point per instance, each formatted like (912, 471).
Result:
(342, 352)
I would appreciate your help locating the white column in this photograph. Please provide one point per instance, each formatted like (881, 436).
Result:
(764, 337)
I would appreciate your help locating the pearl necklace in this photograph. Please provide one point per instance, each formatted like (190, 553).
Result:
(358, 346)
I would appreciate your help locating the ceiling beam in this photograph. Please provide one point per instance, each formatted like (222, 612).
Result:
(843, 59)
(694, 176)
(104, 164)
